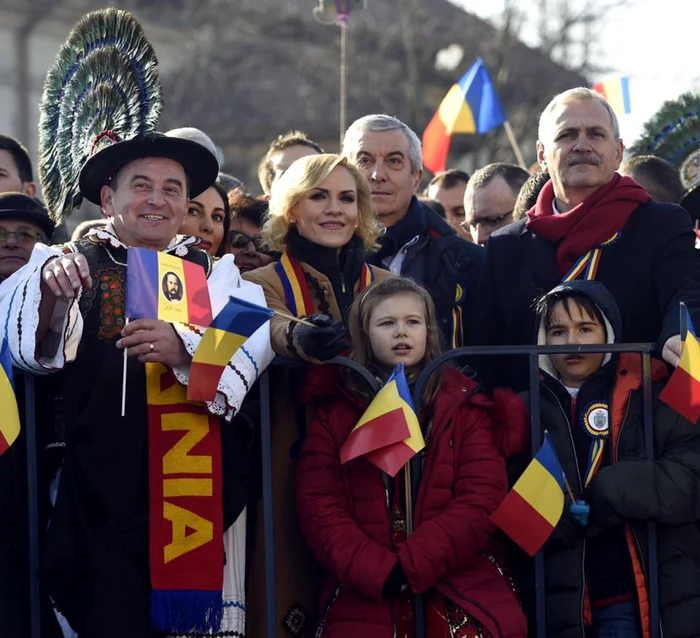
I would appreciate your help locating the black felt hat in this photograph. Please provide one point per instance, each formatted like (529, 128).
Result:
(109, 154)
(21, 206)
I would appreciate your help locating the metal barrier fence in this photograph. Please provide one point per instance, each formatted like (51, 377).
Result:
(532, 352)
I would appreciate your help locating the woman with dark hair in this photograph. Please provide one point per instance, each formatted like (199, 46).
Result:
(208, 217)
(247, 216)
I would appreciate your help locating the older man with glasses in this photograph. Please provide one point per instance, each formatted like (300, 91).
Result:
(23, 223)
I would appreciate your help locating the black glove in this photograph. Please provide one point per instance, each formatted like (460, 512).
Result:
(568, 529)
(395, 582)
(323, 342)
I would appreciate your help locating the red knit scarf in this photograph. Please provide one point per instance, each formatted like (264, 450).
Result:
(592, 222)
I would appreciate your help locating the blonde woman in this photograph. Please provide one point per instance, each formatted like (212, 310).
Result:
(321, 220)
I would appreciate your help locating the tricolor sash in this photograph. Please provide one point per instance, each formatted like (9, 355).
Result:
(186, 513)
(588, 264)
(296, 290)
(596, 424)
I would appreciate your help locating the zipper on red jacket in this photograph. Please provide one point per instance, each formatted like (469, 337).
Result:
(479, 606)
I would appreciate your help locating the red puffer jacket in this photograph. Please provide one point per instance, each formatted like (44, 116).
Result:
(344, 517)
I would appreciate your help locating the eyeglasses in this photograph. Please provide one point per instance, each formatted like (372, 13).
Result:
(22, 236)
(241, 240)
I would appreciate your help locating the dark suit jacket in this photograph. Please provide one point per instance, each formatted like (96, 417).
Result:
(649, 270)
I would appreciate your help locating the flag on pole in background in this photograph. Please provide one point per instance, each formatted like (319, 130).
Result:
(231, 328)
(617, 92)
(470, 106)
(163, 286)
(9, 416)
(388, 434)
(682, 391)
(532, 509)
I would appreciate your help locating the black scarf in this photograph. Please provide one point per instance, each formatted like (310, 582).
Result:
(344, 266)
(414, 222)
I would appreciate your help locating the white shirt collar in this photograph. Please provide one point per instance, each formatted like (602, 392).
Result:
(179, 245)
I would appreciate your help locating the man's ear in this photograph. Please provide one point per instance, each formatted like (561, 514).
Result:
(29, 188)
(540, 156)
(417, 178)
(619, 152)
(106, 199)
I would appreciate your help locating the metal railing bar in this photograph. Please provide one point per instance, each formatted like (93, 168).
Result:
(33, 507)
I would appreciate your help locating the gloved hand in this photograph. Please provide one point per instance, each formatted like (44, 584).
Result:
(580, 511)
(323, 342)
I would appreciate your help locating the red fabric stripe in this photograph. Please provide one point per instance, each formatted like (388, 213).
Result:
(436, 145)
(204, 381)
(4, 445)
(519, 520)
(387, 429)
(392, 458)
(198, 300)
(682, 393)
(303, 286)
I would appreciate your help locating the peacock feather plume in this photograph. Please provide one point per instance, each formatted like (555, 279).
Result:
(673, 133)
(105, 78)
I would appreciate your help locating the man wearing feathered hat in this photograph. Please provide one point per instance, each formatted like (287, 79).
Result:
(134, 545)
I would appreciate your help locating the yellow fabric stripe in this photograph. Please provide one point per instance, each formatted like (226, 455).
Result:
(416, 441)
(175, 310)
(294, 283)
(540, 489)
(9, 423)
(387, 399)
(690, 357)
(218, 346)
(455, 113)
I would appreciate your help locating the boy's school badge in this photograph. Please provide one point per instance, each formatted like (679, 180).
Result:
(596, 420)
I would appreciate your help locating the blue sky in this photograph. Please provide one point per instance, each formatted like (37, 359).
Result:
(652, 42)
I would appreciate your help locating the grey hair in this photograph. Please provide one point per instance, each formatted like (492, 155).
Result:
(579, 94)
(382, 122)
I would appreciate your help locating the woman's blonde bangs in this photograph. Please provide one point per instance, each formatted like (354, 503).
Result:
(304, 175)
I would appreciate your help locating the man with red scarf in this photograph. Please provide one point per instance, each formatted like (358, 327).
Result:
(589, 222)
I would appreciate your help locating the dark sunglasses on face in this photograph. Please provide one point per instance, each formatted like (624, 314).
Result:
(241, 240)
(22, 236)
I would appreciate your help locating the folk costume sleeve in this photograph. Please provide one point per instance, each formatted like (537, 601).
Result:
(450, 541)
(326, 520)
(20, 299)
(250, 360)
(666, 490)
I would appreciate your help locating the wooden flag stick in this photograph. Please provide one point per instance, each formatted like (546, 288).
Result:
(124, 379)
(285, 315)
(568, 490)
(514, 144)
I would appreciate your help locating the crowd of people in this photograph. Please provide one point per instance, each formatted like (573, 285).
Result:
(355, 260)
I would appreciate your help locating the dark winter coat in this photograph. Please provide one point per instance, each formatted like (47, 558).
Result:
(630, 490)
(649, 270)
(447, 265)
(343, 513)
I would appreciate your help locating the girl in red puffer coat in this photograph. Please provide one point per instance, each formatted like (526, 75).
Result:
(353, 515)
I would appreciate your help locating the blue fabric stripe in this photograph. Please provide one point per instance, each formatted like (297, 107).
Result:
(241, 317)
(547, 457)
(141, 284)
(625, 86)
(480, 96)
(288, 292)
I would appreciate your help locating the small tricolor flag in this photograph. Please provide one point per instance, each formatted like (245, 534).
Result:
(617, 92)
(470, 106)
(388, 434)
(532, 509)
(231, 328)
(163, 286)
(682, 391)
(9, 418)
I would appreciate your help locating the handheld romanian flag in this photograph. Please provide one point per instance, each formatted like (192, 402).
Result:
(470, 106)
(163, 286)
(231, 328)
(532, 509)
(617, 93)
(9, 419)
(388, 434)
(682, 391)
